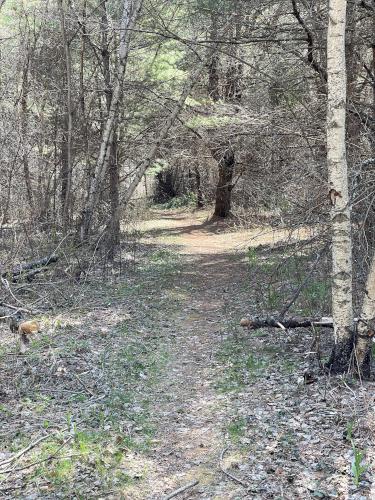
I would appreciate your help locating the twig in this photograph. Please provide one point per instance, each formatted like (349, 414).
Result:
(25, 450)
(9, 306)
(83, 385)
(181, 490)
(51, 457)
(6, 285)
(280, 325)
(234, 478)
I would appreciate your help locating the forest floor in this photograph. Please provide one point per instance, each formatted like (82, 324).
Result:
(147, 384)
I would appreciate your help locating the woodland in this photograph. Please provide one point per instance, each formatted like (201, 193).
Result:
(187, 234)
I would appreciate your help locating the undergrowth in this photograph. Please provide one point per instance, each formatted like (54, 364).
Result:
(278, 275)
(101, 392)
(185, 200)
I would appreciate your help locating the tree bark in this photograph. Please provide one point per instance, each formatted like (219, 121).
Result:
(130, 14)
(366, 326)
(113, 227)
(198, 187)
(66, 174)
(213, 64)
(233, 85)
(24, 128)
(224, 186)
(342, 302)
(254, 323)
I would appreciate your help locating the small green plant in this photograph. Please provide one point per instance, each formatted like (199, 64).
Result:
(252, 256)
(274, 299)
(314, 296)
(237, 429)
(358, 465)
(349, 430)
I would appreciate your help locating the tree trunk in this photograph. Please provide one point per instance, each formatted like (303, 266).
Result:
(130, 14)
(113, 227)
(66, 174)
(366, 326)
(233, 77)
(224, 186)
(82, 100)
(213, 62)
(342, 302)
(24, 129)
(165, 186)
(198, 188)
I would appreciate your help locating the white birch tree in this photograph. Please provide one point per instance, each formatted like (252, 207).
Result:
(366, 326)
(342, 302)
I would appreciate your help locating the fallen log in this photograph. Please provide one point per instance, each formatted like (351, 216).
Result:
(23, 269)
(254, 323)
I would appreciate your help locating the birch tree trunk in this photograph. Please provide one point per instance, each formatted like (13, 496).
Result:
(366, 326)
(131, 10)
(342, 302)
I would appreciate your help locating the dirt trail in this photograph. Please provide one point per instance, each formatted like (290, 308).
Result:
(196, 233)
(193, 415)
(192, 419)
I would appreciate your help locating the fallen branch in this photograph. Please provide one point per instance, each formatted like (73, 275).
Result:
(234, 478)
(54, 456)
(15, 308)
(181, 490)
(29, 276)
(6, 285)
(7, 313)
(28, 266)
(254, 323)
(83, 385)
(25, 450)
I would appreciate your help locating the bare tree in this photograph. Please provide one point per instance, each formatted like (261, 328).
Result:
(67, 160)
